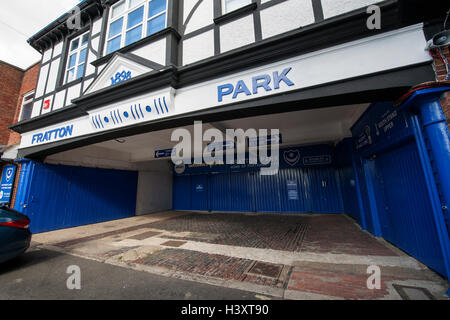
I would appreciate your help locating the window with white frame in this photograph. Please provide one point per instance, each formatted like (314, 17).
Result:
(27, 106)
(76, 62)
(132, 20)
(231, 5)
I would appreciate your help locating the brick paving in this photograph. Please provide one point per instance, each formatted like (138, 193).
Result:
(319, 234)
(266, 232)
(349, 281)
(210, 265)
(337, 234)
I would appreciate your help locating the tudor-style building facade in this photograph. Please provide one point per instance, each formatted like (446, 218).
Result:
(117, 77)
(190, 35)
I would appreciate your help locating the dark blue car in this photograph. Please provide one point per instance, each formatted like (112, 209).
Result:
(15, 237)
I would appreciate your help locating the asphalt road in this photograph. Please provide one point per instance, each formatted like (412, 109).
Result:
(42, 274)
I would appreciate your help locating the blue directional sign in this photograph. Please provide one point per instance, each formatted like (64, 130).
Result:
(167, 153)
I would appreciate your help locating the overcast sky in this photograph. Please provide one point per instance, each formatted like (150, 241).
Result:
(19, 20)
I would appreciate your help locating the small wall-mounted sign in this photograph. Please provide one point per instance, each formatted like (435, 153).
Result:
(292, 189)
(47, 103)
(317, 160)
(6, 184)
(167, 153)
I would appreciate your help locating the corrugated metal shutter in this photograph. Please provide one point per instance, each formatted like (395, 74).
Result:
(404, 205)
(200, 192)
(57, 197)
(242, 199)
(181, 193)
(220, 192)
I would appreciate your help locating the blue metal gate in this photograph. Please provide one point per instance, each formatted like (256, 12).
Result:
(58, 197)
(307, 181)
(404, 205)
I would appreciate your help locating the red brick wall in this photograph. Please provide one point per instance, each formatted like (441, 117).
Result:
(16, 185)
(29, 83)
(441, 73)
(10, 84)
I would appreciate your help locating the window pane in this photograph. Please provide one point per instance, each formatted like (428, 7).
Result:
(235, 4)
(133, 35)
(118, 9)
(113, 45)
(26, 111)
(83, 54)
(156, 24)
(72, 60)
(85, 39)
(70, 75)
(115, 28)
(155, 7)
(135, 17)
(80, 71)
(74, 44)
(134, 3)
(29, 97)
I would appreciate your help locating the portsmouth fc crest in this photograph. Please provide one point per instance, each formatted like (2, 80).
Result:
(9, 173)
(292, 157)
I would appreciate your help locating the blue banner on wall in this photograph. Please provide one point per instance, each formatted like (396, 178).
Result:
(295, 157)
(6, 184)
(380, 126)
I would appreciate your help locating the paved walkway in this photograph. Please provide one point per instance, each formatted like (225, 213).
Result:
(283, 256)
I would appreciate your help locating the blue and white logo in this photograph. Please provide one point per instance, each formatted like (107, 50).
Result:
(292, 157)
(9, 174)
(180, 168)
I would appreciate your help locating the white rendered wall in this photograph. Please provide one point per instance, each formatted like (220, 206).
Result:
(202, 17)
(237, 33)
(198, 48)
(155, 52)
(333, 8)
(286, 16)
(154, 192)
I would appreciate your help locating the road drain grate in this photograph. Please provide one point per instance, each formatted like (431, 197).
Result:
(145, 235)
(175, 244)
(265, 269)
(413, 293)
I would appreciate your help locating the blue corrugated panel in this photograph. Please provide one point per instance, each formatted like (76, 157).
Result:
(181, 195)
(323, 191)
(293, 183)
(404, 205)
(220, 192)
(242, 199)
(349, 193)
(367, 210)
(57, 197)
(267, 193)
(199, 192)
